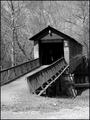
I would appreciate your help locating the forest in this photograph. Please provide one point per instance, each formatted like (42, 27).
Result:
(20, 20)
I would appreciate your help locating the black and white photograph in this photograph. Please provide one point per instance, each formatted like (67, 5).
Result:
(45, 59)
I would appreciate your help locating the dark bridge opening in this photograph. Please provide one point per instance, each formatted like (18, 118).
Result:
(50, 52)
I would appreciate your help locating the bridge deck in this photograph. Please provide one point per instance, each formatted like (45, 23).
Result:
(11, 74)
(42, 77)
(36, 70)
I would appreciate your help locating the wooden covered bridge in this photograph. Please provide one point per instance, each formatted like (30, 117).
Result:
(57, 58)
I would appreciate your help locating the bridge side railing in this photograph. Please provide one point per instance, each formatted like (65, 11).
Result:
(39, 78)
(12, 73)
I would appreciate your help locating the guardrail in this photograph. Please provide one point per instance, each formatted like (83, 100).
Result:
(39, 78)
(12, 73)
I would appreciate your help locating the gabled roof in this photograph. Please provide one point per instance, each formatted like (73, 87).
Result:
(45, 31)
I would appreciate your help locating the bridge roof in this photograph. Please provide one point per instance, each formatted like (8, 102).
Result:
(56, 35)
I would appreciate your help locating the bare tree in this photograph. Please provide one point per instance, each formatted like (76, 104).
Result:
(15, 12)
(22, 19)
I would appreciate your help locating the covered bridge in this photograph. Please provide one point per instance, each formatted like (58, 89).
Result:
(57, 57)
(51, 44)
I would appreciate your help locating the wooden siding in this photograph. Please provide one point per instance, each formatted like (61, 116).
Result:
(36, 51)
(75, 49)
(66, 51)
(52, 36)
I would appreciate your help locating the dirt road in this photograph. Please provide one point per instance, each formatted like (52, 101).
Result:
(18, 103)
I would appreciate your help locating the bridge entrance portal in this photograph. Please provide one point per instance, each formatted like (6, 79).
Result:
(50, 52)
